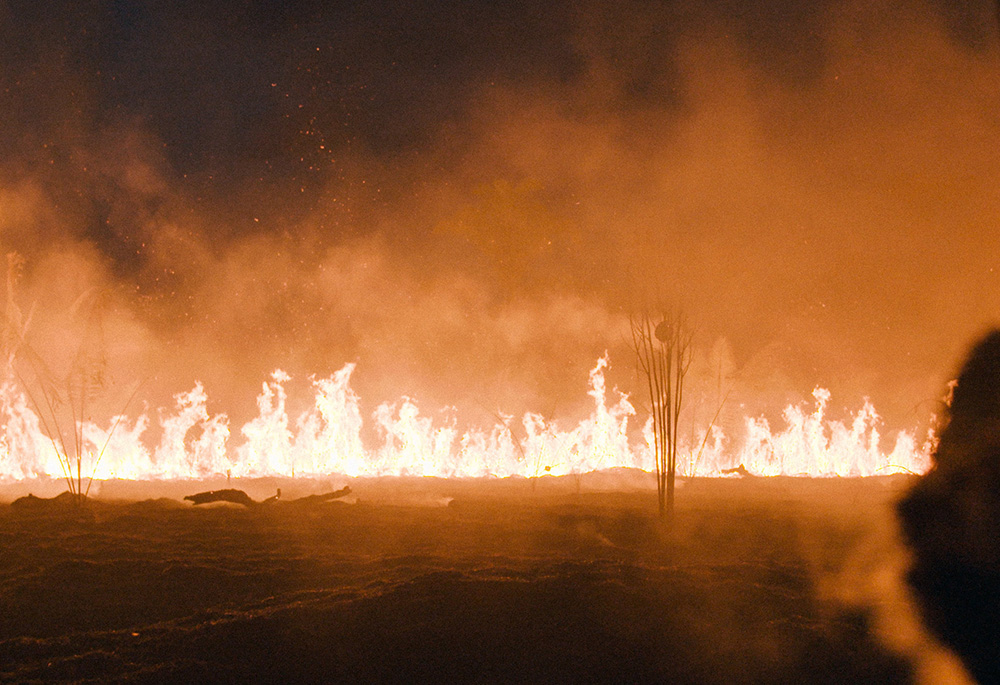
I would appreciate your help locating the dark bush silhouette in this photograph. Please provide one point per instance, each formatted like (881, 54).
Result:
(951, 519)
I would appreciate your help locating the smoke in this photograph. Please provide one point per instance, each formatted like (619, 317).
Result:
(873, 579)
(471, 224)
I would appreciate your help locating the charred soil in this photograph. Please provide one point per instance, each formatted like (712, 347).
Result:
(447, 582)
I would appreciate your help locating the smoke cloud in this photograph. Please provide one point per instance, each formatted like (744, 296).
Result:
(468, 202)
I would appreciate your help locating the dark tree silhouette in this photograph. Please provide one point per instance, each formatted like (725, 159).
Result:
(663, 355)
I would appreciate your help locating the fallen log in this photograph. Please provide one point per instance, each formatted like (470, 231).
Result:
(310, 500)
(240, 497)
(227, 495)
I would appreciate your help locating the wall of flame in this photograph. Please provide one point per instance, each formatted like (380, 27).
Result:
(327, 439)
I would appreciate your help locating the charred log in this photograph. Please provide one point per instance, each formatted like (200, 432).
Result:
(951, 519)
(239, 497)
(320, 499)
(227, 495)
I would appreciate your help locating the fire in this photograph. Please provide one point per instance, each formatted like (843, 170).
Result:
(813, 445)
(326, 440)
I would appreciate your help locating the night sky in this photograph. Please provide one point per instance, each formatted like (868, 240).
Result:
(467, 199)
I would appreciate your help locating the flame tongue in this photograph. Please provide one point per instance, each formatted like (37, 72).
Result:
(327, 440)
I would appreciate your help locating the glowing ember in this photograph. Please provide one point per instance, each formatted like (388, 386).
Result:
(327, 440)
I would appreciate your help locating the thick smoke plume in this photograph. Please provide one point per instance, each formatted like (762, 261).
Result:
(467, 202)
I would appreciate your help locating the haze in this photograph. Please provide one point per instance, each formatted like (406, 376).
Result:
(468, 199)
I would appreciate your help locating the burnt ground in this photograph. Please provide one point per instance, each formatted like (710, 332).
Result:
(447, 581)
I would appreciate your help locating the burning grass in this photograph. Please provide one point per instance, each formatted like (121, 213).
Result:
(327, 439)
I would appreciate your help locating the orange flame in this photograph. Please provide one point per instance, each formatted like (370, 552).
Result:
(327, 440)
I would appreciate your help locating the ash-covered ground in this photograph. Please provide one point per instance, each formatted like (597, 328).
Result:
(423, 580)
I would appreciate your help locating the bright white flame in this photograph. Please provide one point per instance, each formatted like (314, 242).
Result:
(327, 440)
(812, 445)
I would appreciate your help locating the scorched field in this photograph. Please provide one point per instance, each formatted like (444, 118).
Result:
(434, 580)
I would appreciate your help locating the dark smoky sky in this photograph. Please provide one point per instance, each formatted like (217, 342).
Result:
(467, 198)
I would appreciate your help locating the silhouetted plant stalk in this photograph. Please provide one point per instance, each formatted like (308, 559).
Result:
(663, 354)
(61, 403)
